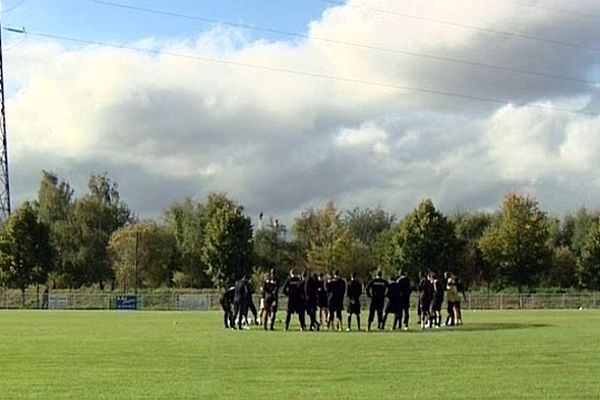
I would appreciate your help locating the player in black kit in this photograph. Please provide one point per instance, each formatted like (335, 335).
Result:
(425, 297)
(310, 285)
(322, 300)
(294, 291)
(354, 292)
(392, 305)
(438, 298)
(336, 289)
(226, 301)
(376, 290)
(270, 291)
(240, 308)
(404, 291)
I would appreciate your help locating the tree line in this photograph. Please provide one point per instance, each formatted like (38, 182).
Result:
(60, 241)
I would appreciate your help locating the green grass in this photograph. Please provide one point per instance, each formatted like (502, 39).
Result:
(170, 355)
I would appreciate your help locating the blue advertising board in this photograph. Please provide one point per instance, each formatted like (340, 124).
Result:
(126, 302)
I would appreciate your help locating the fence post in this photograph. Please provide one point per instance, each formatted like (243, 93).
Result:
(501, 302)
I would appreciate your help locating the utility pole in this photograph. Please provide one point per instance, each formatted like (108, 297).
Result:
(4, 182)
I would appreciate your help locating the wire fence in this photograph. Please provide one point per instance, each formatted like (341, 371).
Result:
(209, 300)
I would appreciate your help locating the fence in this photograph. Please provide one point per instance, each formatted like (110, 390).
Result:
(209, 300)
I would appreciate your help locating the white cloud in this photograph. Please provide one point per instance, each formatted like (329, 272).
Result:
(278, 142)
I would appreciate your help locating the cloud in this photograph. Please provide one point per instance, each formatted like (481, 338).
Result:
(168, 127)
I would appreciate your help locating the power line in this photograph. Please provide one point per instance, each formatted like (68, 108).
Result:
(319, 75)
(555, 10)
(346, 43)
(464, 26)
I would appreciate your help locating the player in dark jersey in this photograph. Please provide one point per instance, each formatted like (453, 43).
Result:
(451, 298)
(250, 303)
(392, 304)
(336, 289)
(270, 291)
(226, 301)
(354, 292)
(310, 285)
(404, 291)
(460, 287)
(425, 296)
(439, 286)
(240, 308)
(376, 290)
(421, 277)
(322, 300)
(294, 291)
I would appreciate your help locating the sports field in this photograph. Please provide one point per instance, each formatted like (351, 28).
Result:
(174, 355)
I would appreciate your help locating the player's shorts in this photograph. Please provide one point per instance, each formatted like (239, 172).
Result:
(353, 307)
(336, 305)
(270, 303)
(295, 307)
(225, 305)
(425, 305)
(403, 304)
(377, 304)
(436, 305)
(322, 302)
(391, 308)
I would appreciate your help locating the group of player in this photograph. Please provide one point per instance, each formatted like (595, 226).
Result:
(323, 301)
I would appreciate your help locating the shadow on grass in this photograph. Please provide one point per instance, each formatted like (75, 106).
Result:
(496, 326)
(472, 327)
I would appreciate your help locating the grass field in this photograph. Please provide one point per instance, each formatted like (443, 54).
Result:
(170, 355)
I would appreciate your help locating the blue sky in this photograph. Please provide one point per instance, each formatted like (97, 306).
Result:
(89, 20)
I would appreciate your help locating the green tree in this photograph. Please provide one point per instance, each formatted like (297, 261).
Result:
(588, 270)
(95, 217)
(563, 269)
(142, 255)
(25, 252)
(316, 232)
(54, 208)
(187, 222)
(227, 244)
(273, 250)
(424, 241)
(366, 225)
(518, 242)
(576, 227)
(469, 228)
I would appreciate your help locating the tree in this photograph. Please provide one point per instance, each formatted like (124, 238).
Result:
(518, 242)
(589, 264)
(187, 222)
(424, 241)
(316, 232)
(54, 208)
(54, 200)
(366, 225)
(273, 251)
(227, 244)
(563, 269)
(576, 227)
(142, 255)
(95, 217)
(469, 228)
(25, 252)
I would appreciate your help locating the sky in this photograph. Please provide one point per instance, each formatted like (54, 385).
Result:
(365, 102)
